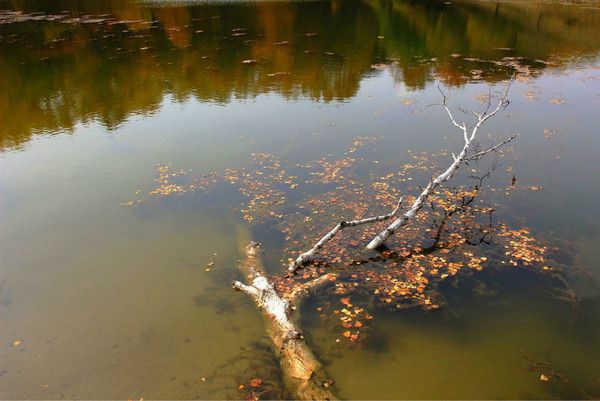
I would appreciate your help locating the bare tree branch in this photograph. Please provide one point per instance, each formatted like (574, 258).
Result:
(310, 254)
(469, 137)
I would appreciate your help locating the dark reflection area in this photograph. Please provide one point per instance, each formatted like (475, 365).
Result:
(65, 63)
(474, 302)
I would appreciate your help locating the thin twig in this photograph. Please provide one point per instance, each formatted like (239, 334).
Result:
(482, 153)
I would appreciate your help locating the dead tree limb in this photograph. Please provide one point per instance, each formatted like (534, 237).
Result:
(302, 372)
(469, 135)
(484, 152)
(310, 254)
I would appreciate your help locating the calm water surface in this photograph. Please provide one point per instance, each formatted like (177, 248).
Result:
(112, 301)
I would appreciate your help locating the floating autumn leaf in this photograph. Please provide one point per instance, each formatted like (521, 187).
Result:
(530, 95)
(16, 343)
(549, 132)
(347, 333)
(256, 382)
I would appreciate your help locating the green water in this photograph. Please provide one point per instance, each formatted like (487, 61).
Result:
(110, 301)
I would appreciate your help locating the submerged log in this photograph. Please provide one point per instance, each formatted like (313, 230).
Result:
(302, 373)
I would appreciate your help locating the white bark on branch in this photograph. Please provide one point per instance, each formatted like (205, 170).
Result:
(310, 254)
(468, 136)
(302, 373)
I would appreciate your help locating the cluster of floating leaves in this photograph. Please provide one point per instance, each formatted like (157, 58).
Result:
(441, 242)
(172, 181)
(257, 183)
(522, 248)
(327, 171)
(166, 180)
(351, 318)
(458, 68)
(551, 132)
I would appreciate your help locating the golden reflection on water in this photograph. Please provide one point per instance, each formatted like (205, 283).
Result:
(56, 74)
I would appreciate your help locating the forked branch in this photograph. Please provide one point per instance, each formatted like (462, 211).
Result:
(469, 135)
(310, 254)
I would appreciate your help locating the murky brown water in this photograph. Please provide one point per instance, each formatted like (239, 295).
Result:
(109, 300)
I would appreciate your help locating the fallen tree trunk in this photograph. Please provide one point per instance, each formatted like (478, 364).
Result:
(302, 373)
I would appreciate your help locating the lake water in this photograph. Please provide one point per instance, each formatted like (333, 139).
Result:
(109, 290)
